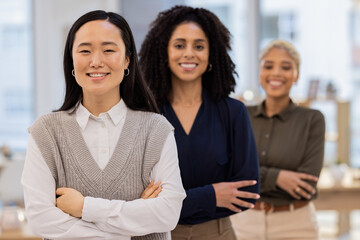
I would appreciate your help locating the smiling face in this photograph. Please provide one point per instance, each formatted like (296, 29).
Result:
(278, 72)
(188, 52)
(99, 59)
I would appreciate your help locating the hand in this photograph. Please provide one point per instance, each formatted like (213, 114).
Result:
(152, 190)
(227, 194)
(292, 182)
(70, 201)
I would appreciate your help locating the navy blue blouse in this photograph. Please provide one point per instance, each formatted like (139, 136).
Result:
(220, 147)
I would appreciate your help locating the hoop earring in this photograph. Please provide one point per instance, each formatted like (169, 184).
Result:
(209, 67)
(73, 72)
(126, 72)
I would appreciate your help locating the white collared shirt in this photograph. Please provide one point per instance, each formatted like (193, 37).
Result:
(102, 218)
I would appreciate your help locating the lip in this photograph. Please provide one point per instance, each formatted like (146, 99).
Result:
(275, 83)
(97, 76)
(188, 66)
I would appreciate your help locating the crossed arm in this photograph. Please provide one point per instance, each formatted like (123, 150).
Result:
(101, 218)
(71, 201)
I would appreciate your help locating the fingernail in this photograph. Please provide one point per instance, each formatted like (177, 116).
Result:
(252, 206)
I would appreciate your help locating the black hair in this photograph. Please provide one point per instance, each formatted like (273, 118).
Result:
(133, 89)
(220, 81)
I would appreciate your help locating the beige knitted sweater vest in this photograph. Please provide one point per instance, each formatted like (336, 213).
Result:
(127, 173)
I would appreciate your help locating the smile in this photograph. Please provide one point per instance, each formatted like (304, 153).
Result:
(95, 75)
(188, 65)
(275, 83)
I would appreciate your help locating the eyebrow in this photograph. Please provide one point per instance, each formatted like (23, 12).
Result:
(282, 62)
(196, 40)
(102, 44)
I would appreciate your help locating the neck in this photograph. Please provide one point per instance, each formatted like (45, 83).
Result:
(97, 105)
(276, 105)
(186, 94)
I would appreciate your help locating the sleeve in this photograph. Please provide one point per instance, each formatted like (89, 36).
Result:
(201, 202)
(312, 161)
(159, 214)
(268, 176)
(45, 219)
(244, 153)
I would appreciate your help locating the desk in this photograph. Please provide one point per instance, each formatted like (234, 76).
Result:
(24, 233)
(343, 197)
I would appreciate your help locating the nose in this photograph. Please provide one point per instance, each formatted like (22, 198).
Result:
(276, 70)
(96, 60)
(189, 53)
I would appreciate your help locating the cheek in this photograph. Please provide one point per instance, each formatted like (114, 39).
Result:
(78, 63)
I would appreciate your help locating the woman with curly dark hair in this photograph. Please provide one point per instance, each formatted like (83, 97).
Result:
(185, 62)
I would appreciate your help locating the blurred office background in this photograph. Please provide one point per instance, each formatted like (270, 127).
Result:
(326, 33)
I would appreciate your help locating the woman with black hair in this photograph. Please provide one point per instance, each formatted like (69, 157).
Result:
(89, 163)
(185, 62)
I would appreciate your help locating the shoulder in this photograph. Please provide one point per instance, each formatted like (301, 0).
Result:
(313, 114)
(47, 120)
(251, 109)
(151, 119)
(234, 106)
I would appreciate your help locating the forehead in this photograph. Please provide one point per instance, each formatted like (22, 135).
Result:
(98, 30)
(278, 54)
(188, 30)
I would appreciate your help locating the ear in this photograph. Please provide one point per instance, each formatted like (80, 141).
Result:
(127, 62)
(296, 76)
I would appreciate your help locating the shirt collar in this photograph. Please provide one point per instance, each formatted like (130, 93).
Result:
(116, 113)
(283, 115)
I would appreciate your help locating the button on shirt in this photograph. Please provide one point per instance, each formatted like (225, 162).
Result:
(102, 218)
(292, 140)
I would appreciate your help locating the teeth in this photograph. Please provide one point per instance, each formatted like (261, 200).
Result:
(188, 65)
(97, 74)
(275, 83)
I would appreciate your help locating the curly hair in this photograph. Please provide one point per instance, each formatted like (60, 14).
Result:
(153, 55)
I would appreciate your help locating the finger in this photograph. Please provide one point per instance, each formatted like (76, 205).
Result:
(301, 192)
(150, 184)
(307, 187)
(245, 183)
(249, 195)
(294, 194)
(156, 192)
(61, 191)
(242, 203)
(150, 189)
(308, 177)
(147, 190)
(233, 208)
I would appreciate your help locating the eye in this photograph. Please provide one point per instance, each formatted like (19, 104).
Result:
(179, 46)
(109, 50)
(268, 67)
(199, 47)
(286, 68)
(84, 51)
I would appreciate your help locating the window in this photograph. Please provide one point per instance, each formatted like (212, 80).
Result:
(16, 96)
(327, 35)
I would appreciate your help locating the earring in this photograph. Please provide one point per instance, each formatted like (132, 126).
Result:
(126, 72)
(73, 72)
(209, 67)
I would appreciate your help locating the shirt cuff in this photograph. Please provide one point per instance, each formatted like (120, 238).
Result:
(208, 201)
(269, 182)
